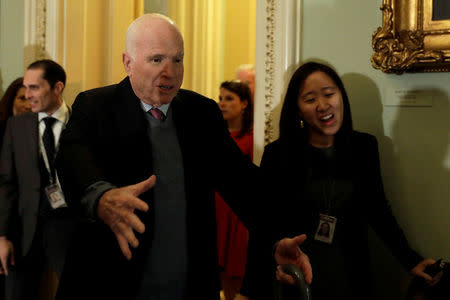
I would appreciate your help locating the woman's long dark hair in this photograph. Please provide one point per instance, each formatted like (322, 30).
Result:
(7, 102)
(290, 129)
(243, 91)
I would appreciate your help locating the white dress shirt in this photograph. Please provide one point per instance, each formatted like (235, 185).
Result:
(61, 116)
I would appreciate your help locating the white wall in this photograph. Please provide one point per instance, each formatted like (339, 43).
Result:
(413, 141)
(11, 41)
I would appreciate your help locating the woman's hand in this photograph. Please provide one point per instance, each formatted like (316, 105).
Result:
(419, 271)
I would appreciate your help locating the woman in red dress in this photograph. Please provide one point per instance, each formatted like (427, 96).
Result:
(232, 236)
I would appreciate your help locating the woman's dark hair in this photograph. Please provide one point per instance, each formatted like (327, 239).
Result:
(7, 102)
(243, 91)
(290, 129)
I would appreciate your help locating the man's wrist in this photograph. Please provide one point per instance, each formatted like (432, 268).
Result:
(92, 196)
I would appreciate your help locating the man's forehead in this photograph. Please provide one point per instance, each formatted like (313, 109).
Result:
(33, 73)
(33, 76)
(150, 48)
(169, 37)
(161, 52)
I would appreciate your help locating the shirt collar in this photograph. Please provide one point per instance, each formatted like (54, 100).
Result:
(146, 107)
(61, 114)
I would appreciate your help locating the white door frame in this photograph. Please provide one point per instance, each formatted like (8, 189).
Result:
(277, 56)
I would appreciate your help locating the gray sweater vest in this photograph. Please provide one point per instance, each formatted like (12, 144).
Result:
(166, 266)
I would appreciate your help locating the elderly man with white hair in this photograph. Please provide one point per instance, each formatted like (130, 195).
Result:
(141, 160)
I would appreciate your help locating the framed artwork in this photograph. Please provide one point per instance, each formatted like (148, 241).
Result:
(414, 37)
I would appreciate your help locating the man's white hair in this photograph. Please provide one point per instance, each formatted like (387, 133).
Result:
(245, 67)
(134, 28)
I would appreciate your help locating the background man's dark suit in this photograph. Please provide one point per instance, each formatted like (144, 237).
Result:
(19, 163)
(107, 136)
(21, 190)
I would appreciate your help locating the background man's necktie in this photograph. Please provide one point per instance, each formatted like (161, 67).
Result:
(157, 114)
(49, 143)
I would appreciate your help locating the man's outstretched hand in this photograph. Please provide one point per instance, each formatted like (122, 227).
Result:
(288, 252)
(116, 208)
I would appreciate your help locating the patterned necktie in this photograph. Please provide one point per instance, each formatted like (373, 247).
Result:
(48, 140)
(157, 114)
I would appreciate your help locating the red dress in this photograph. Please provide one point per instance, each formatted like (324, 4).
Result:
(232, 236)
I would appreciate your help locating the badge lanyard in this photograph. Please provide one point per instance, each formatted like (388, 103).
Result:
(46, 162)
(52, 190)
(328, 200)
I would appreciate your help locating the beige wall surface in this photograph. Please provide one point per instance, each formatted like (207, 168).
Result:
(218, 37)
(240, 31)
(201, 23)
(93, 41)
(11, 42)
(413, 141)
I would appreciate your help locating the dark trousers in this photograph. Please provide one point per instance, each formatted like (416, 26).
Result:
(50, 244)
(2, 287)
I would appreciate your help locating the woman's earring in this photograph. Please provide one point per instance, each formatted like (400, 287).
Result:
(302, 125)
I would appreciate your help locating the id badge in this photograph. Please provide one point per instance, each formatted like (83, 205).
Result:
(325, 230)
(55, 196)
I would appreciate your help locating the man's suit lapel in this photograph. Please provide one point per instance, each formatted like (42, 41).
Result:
(26, 149)
(30, 139)
(132, 132)
(180, 113)
(127, 110)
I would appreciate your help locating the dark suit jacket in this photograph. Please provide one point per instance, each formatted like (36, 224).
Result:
(20, 180)
(292, 214)
(20, 185)
(106, 139)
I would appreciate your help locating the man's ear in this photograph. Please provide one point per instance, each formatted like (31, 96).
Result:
(58, 88)
(126, 59)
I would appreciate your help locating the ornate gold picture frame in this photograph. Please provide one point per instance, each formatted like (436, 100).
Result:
(410, 40)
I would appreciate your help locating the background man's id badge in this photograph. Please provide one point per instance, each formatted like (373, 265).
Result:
(325, 230)
(55, 196)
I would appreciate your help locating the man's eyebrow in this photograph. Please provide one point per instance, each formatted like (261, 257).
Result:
(155, 55)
